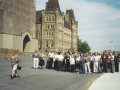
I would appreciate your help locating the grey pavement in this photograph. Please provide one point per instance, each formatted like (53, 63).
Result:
(41, 79)
(108, 81)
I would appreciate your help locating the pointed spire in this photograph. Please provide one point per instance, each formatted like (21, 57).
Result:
(52, 5)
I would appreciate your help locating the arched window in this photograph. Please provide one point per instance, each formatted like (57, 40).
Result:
(46, 43)
(52, 44)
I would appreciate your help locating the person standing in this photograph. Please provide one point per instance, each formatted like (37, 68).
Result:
(55, 61)
(82, 64)
(14, 62)
(67, 62)
(35, 58)
(41, 60)
(91, 62)
(72, 62)
(87, 64)
(78, 63)
(96, 59)
(50, 55)
(60, 58)
(104, 59)
(116, 62)
(111, 57)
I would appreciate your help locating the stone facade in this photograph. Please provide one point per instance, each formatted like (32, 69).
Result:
(56, 30)
(17, 25)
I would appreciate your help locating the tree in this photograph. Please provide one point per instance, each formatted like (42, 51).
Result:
(83, 46)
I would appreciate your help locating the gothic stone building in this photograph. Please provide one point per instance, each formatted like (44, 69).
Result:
(54, 29)
(17, 26)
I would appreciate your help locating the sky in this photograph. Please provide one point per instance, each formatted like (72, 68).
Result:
(98, 21)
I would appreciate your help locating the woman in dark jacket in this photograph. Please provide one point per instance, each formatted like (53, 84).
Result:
(116, 59)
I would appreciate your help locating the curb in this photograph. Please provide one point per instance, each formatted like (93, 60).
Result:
(90, 82)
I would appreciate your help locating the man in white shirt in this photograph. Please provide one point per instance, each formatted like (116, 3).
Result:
(96, 59)
(50, 55)
(72, 63)
(60, 58)
(35, 57)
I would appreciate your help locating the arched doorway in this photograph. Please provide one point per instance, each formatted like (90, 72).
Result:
(25, 41)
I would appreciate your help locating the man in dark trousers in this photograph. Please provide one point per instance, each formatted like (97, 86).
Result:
(50, 55)
(104, 59)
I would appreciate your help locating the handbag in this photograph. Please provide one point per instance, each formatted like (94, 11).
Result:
(19, 65)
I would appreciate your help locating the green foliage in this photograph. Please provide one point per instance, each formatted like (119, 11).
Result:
(83, 46)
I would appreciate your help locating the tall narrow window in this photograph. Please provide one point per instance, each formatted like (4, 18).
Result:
(52, 44)
(48, 27)
(53, 19)
(49, 18)
(49, 34)
(52, 34)
(46, 18)
(51, 26)
(46, 43)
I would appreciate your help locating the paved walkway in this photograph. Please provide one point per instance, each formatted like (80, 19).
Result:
(36, 79)
(108, 81)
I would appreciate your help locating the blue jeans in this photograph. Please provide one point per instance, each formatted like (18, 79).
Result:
(82, 68)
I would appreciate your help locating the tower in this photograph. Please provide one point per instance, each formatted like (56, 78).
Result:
(17, 22)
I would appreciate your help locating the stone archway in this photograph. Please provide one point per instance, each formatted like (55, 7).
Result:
(26, 42)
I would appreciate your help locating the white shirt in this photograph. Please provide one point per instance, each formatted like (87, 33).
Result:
(50, 54)
(112, 57)
(96, 58)
(78, 58)
(72, 60)
(91, 58)
(60, 57)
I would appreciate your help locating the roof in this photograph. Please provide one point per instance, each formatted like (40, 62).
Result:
(70, 13)
(38, 16)
(52, 5)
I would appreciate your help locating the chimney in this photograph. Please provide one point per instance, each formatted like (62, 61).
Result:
(46, 5)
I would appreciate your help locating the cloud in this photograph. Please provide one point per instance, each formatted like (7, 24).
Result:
(98, 23)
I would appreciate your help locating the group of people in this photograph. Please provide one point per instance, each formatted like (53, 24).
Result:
(83, 63)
